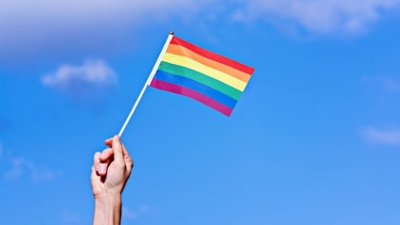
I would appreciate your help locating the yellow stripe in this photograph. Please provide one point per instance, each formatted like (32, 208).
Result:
(216, 74)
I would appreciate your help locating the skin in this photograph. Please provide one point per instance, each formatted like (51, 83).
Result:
(110, 172)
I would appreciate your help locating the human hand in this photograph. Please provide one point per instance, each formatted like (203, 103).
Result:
(111, 169)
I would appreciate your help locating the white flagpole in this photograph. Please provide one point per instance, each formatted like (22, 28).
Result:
(153, 72)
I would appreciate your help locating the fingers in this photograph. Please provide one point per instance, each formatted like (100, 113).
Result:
(117, 148)
(102, 168)
(106, 155)
(124, 151)
(129, 163)
(104, 159)
(96, 161)
(127, 158)
(108, 142)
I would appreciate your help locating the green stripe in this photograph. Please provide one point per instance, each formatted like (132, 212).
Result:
(201, 78)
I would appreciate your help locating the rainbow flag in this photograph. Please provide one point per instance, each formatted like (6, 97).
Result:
(204, 76)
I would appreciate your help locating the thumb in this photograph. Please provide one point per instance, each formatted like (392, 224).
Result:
(117, 149)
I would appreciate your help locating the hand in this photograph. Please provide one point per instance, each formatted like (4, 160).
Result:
(111, 169)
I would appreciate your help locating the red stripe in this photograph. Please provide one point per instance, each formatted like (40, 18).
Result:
(212, 56)
(191, 94)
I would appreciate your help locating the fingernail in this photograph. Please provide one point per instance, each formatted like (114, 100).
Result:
(102, 169)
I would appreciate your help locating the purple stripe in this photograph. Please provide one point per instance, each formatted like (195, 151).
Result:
(191, 94)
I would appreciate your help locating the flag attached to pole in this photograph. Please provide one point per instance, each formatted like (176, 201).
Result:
(202, 75)
(186, 69)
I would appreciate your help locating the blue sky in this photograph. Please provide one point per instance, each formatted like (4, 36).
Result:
(314, 140)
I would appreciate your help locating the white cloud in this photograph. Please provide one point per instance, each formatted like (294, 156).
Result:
(319, 16)
(390, 84)
(389, 137)
(144, 209)
(385, 84)
(134, 214)
(47, 27)
(21, 167)
(129, 214)
(16, 171)
(83, 79)
(69, 217)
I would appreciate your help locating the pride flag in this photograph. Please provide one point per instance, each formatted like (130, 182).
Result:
(204, 76)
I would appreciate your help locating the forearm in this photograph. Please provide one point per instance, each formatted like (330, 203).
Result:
(107, 210)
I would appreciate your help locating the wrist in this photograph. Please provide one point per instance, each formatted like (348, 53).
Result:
(108, 198)
(107, 209)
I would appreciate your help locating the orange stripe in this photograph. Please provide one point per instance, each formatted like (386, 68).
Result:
(213, 56)
(182, 51)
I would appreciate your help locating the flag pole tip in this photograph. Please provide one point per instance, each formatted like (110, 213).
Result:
(171, 32)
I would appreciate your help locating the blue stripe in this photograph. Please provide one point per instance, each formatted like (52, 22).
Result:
(196, 86)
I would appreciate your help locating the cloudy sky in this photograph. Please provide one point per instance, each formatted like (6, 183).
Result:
(314, 140)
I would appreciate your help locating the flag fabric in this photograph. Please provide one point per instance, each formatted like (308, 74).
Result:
(202, 75)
